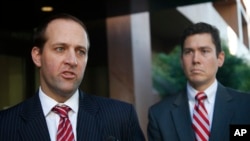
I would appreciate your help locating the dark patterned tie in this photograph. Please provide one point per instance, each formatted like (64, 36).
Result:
(64, 131)
(200, 118)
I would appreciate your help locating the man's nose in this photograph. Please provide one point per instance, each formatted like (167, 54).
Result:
(71, 58)
(196, 57)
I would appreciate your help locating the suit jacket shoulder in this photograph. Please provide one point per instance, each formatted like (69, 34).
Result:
(25, 121)
(106, 117)
(169, 102)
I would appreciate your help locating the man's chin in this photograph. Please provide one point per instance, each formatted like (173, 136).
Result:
(196, 81)
(68, 91)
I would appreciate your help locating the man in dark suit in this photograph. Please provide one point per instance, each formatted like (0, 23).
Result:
(175, 119)
(60, 52)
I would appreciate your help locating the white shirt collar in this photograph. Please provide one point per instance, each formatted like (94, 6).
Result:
(210, 91)
(48, 103)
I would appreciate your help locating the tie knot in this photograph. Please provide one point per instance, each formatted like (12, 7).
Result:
(200, 96)
(62, 111)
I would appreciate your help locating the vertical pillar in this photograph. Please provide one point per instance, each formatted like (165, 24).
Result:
(129, 60)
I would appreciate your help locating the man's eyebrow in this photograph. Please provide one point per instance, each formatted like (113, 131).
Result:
(205, 47)
(82, 46)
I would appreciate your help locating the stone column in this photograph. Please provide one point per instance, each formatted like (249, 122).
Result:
(129, 62)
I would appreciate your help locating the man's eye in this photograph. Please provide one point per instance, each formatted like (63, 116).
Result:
(59, 49)
(187, 51)
(81, 52)
(205, 51)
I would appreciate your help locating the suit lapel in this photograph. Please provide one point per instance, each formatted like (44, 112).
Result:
(222, 114)
(181, 117)
(88, 127)
(34, 126)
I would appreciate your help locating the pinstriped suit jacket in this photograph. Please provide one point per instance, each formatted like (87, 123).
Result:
(170, 120)
(98, 118)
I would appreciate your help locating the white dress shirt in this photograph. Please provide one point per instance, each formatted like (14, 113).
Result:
(52, 118)
(209, 102)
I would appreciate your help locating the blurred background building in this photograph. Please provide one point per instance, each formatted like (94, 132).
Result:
(123, 36)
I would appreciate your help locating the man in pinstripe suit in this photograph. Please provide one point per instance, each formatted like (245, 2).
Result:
(60, 52)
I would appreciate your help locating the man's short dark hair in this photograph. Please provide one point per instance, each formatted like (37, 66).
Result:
(200, 28)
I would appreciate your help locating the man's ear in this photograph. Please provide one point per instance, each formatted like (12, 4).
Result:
(36, 56)
(221, 59)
